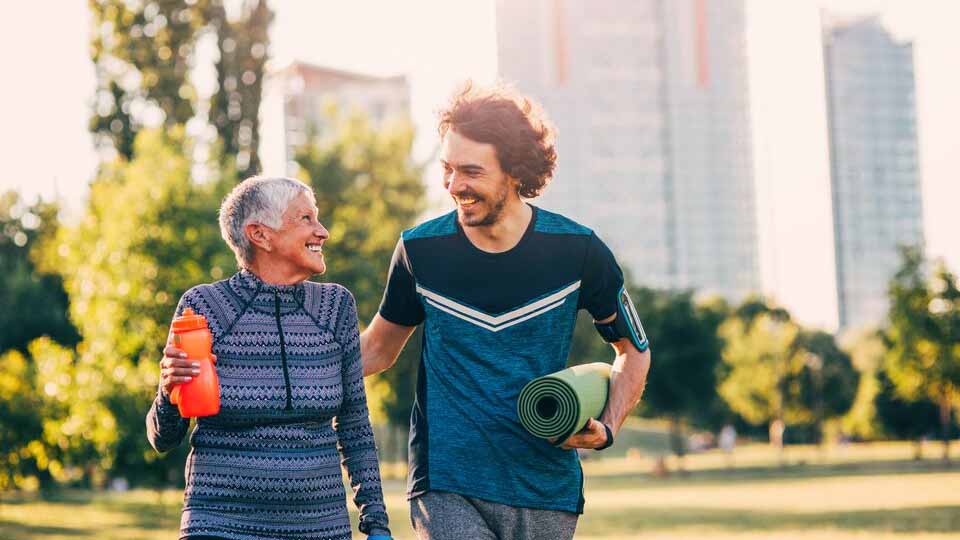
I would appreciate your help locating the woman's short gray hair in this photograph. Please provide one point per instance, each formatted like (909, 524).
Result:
(256, 200)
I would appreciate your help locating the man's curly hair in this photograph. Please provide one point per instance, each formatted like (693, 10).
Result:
(524, 138)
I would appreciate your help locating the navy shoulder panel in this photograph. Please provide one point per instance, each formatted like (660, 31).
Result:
(444, 225)
(552, 223)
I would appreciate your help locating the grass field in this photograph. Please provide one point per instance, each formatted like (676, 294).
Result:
(862, 491)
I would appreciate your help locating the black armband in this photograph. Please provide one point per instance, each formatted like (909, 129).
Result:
(625, 325)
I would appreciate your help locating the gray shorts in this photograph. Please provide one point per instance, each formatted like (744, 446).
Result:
(438, 515)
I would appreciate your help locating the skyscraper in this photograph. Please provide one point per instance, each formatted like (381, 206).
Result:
(650, 98)
(873, 160)
(295, 100)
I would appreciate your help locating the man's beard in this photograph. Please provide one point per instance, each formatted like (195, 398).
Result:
(493, 215)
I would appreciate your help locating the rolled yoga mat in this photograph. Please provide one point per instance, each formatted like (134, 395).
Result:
(560, 404)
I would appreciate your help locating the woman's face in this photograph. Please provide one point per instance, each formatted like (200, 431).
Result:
(298, 243)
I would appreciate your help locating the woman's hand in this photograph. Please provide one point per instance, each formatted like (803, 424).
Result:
(176, 369)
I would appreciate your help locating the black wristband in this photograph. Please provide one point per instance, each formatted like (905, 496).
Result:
(609, 442)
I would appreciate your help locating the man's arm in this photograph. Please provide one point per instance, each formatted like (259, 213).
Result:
(627, 380)
(381, 343)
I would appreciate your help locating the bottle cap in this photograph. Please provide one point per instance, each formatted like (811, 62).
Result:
(189, 321)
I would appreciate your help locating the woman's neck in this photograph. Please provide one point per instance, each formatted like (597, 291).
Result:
(275, 274)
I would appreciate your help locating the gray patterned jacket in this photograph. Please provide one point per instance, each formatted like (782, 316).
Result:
(293, 405)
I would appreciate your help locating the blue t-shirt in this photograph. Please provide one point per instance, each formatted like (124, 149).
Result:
(493, 322)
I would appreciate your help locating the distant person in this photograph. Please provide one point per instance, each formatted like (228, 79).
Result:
(292, 396)
(728, 442)
(497, 284)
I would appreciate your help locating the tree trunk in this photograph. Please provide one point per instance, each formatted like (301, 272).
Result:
(945, 426)
(776, 430)
(678, 443)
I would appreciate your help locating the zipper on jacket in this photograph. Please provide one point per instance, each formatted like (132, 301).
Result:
(283, 350)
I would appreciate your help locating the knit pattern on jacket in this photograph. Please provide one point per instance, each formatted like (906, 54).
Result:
(293, 408)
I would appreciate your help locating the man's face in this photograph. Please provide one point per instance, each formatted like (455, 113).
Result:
(472, 176)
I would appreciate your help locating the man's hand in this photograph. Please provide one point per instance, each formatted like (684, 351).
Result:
(593, 435)
(176, 369)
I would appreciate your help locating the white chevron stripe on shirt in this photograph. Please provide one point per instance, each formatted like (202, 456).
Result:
(505, 320)
(495, 328)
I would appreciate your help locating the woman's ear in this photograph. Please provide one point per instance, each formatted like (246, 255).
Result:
(259, 235)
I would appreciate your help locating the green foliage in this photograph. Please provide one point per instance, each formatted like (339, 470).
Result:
(240, 70)
(755, 306)
(903, 418)
(33, 303)
(758, 356)
(776, 371)
(148, 234)
(54, 428)
(827, 381)
(866, 350)
(20, 420)
(144, 52)
(924, 335)
(686, 351)
(368, 191)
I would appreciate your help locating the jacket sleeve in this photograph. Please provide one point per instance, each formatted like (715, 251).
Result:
(352, 424)
(165, 427)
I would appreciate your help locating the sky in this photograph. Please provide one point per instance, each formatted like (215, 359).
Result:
(790, 151)
(439, 43)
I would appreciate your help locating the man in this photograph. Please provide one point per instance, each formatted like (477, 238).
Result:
(497, 284)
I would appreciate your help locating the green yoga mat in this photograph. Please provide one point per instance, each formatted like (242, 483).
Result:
(560, 404)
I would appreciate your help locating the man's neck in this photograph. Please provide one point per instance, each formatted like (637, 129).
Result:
(506, 232)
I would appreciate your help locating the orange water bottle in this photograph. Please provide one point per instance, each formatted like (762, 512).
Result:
(200, 396)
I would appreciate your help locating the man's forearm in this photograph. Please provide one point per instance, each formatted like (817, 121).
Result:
(372, 357)
(627, 381)
(381, 343)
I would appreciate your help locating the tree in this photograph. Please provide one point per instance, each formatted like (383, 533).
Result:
(904, 419)
(368, 191)
(240, 71)
(20, 421)
(53, 427)
(878, 410)
(826, 385)
(924, 336)
(32, 303)
(866, 350)
(682, 385)
(147, 235)
(758, 359)
(778, 373)
(755, 306)
(144, 52)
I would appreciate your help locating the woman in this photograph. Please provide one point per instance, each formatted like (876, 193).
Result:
(291, 385)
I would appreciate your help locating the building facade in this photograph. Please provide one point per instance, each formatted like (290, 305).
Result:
(874, 162)
(298, 99)
(650, 99)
